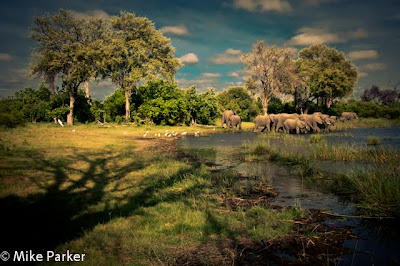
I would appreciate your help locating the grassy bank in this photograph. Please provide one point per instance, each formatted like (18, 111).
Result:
(122, 198)
(376, 189)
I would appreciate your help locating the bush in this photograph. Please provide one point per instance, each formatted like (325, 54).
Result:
(367, 109)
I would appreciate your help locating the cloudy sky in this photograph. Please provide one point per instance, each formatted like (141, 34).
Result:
(210, 35)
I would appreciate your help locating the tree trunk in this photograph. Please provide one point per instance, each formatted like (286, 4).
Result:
(264, 102)
(128, 93)
(87, 92)
(70, 116)
(52, 85)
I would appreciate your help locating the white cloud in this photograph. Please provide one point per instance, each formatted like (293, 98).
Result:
(362, 74)
(233, 74)
(175, 30)
(211, 75)
(318, 2)
(6, 57)
(308, 36)
(228, 57)
(96, 13)
(373, 67)
(363, 54)
(263, 5)
(190, 59)
(357, 34)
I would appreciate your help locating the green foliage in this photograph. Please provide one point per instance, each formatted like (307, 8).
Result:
(114, 105)
(137, 52)
(97, 111)
(367, 109)
(327, 73)
(163, 103)
(202, 108)
(11, 114)
(59, 112)
(239, 100)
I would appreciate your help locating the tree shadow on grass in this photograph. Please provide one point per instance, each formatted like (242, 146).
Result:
(62, 212)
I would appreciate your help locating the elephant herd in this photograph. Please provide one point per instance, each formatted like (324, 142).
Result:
(288, 122)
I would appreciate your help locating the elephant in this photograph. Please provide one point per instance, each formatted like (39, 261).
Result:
(273, 118)
(313, 121)
(225, 117)
(348, 116)
(294, 124)
(281, 118)
(262, 121)
(235, 121)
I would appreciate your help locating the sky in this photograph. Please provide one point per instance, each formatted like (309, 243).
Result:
(210, 35)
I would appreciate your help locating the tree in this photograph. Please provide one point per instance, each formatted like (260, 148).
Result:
(163, 103)
(239, 100)
(202, 108)
(136, 52)
(386, 97)
(327, 74)
(35, 103)
(69, 47)
(270, 71)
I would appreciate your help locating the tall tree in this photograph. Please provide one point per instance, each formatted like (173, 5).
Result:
(69, 47)
(327, 73)
(138, 52)
(270, 71)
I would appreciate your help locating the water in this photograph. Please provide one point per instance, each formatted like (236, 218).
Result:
(377, 244)
(389, 136)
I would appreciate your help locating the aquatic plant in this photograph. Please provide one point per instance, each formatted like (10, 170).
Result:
(373, 140)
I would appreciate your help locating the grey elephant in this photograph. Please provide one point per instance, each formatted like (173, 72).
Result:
(262, 121)
(281, 119)
(225, 117)
(313, 121)
(291, 124)
(348, 116)
(235, 121)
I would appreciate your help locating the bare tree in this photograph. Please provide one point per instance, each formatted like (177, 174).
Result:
(271, 70)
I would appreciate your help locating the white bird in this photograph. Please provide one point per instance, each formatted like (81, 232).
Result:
(124, 133)
(196, 134)
(214, 128)
(59, 121)
(155, 135)
(169, 135)
(73, 130)
(166, 133)
(174, 134)
(159, 135)
(184, 133)
(145, 134)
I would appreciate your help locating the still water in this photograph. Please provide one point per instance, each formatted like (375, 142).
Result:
(377, 244)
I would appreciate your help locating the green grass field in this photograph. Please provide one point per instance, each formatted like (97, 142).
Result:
(121, 198)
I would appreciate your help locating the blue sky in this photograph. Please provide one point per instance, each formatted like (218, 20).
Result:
(210, 36)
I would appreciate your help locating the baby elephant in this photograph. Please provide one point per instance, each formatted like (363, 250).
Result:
(235, 121)
(294, 124)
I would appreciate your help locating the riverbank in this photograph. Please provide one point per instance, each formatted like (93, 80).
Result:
(119, 196)
(364, 173)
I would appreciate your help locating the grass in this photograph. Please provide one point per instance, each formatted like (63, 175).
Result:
(125, 199)
(377, 190)
(367, 123)
(372, 140)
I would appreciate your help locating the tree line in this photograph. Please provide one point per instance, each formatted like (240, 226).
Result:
(140, 61)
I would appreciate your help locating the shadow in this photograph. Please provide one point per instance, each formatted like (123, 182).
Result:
(63, 210)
